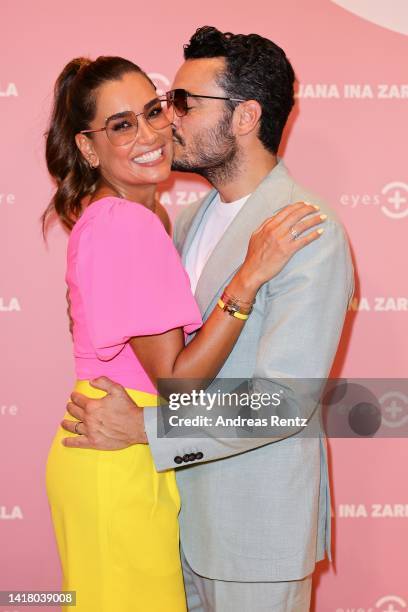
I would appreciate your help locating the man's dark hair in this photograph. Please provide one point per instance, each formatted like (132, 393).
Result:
(256, 69)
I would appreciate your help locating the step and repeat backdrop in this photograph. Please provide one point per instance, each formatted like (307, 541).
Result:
(346, 140)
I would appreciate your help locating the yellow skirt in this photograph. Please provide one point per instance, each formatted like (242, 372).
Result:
(115, 520)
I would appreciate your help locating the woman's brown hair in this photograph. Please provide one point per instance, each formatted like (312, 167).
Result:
(73, 110)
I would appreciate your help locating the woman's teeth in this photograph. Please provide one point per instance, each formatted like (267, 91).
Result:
(148, 157)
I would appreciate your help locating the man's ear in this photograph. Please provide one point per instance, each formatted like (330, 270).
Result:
(85, 145)
(246, 117)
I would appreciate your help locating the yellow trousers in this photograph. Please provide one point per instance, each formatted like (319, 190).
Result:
(115, 520)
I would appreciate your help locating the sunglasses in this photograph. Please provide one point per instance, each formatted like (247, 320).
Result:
(178, 99)
(121, 128)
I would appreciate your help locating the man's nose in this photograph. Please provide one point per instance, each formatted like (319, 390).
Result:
(176, 121)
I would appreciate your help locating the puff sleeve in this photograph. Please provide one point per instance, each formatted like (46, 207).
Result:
(131, 278)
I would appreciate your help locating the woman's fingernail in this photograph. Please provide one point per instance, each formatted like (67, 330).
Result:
(314, 205)
(320, 230)
(323, 216)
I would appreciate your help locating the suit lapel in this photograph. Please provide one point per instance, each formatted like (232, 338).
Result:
(272, 194)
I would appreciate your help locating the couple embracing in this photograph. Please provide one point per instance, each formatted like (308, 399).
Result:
(256, 284)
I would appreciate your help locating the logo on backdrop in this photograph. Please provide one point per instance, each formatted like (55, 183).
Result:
(10, 513)
(181, 198)
(8, 410)
(392, 200)
(395, 409)
(9, 305)
(379, 304)
(389, 603)
(8, 90)
(352, 511)
(7, 198)
(353, 91)
(392, 15)
(161, 82)
(396, 196)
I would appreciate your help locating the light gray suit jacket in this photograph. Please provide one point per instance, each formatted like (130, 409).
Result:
(259, 509)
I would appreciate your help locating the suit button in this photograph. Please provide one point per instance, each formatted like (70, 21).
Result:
(192, 457)
(186, 458)
(178, 459)
(199, 455)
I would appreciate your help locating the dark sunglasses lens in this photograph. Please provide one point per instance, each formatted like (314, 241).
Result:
(179, 101)
(123, 129)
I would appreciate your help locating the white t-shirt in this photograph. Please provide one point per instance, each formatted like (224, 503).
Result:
(217, 218)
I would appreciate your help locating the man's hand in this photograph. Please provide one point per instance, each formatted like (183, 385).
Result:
(110, 423)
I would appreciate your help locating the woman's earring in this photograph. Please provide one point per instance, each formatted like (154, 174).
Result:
(93, 166)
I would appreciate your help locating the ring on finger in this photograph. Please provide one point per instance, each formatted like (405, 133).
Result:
(77, 424)
(294, 233)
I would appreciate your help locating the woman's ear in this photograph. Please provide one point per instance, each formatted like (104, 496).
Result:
(247, 117)
(85, 145)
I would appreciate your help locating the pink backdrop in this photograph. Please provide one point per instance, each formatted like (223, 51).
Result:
(347, 141)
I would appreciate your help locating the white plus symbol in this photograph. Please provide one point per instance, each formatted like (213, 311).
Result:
(397, 199)
(393, 409)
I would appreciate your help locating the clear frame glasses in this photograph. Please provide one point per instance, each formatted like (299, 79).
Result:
(121, 128)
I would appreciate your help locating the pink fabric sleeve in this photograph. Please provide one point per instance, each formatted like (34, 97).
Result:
(131, 278)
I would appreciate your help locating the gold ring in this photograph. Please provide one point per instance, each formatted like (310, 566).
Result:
(76, 428)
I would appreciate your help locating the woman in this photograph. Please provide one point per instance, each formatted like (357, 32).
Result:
(109, 144)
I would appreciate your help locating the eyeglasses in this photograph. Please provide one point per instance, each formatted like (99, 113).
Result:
(121, 128)
(178, 98)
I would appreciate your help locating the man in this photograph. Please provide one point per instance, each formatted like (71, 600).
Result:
(255, 513)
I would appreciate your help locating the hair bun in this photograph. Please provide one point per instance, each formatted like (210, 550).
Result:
(69, 73)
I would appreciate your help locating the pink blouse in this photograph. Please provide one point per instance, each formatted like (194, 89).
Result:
(125, 279)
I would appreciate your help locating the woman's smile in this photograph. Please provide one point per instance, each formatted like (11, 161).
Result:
(151, 158)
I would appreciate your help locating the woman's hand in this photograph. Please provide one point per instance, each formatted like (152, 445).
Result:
(277, 240)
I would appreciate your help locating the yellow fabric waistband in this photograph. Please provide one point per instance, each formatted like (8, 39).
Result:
(139, 397)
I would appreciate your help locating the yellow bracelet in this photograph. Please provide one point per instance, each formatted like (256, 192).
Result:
(232, 311)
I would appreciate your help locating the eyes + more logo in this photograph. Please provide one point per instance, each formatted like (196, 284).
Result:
(388, 603)
(8, 410)
(391, 603)
(396, 196)
(394, 409)
(7, 199)
(392, 200)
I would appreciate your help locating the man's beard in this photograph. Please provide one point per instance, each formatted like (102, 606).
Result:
(212, 153)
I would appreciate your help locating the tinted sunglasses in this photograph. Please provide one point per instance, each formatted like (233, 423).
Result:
(178, 99)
